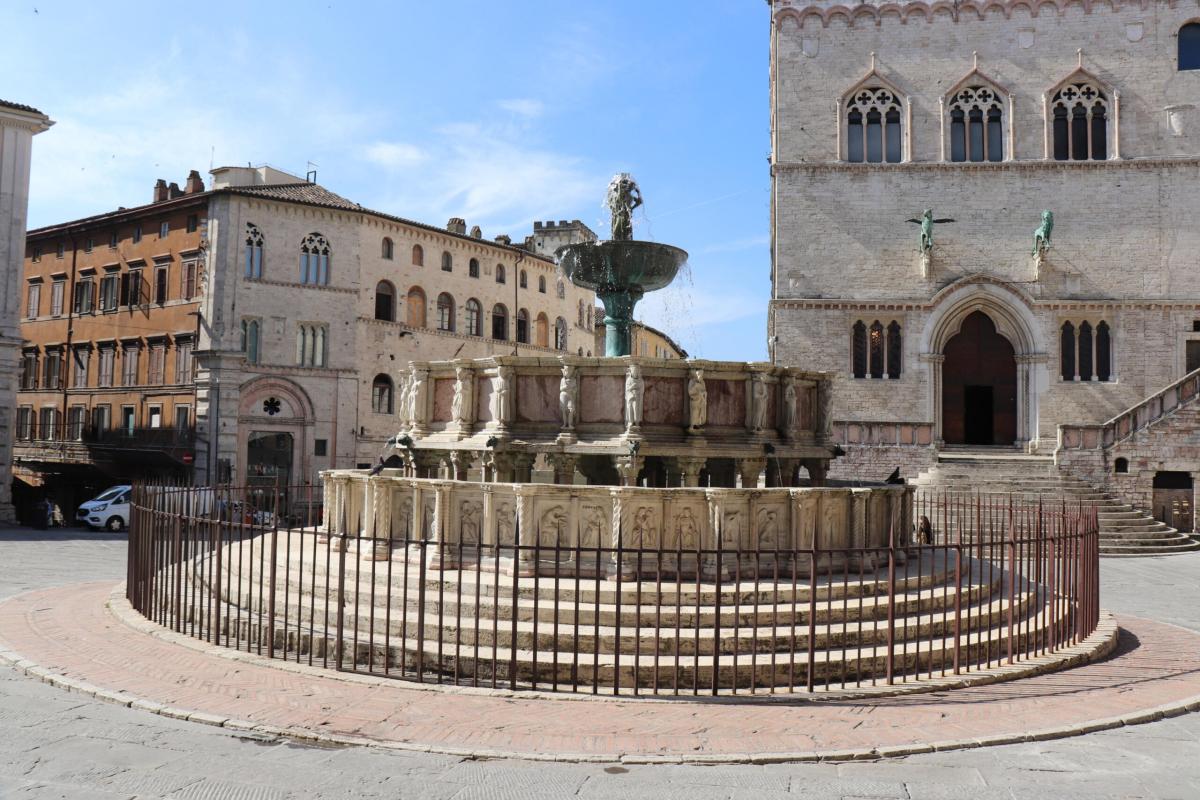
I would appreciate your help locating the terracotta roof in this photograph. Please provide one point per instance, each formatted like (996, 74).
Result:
(119, 214)
(19, 107)
(311, 193)
(316, 195)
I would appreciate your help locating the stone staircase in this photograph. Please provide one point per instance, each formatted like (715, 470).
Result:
(1124, 530)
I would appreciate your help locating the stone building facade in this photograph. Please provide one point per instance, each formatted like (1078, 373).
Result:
(966, 329)
(18, 125)
(314, 306)
(269, 333)
(109, 325)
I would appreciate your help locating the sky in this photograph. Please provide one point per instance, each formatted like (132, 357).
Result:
(498, 112)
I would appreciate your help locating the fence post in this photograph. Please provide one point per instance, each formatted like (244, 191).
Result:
(1012, 575)
(272, 580)
(891, 628)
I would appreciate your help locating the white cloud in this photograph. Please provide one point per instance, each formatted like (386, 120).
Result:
(523, 106)
(395, 155)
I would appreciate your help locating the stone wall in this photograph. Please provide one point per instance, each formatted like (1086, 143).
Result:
(17, 128)
(467, 517)
(1125, 249)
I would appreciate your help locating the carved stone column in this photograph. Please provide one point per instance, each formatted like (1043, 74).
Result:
(502, 467)
(523, 467)
(935, 361)
(629, 467)
(749, 469)
(817, 468)
(690, 468)
(427, 463)
(460, 464)
(564, 467)
(382, 518)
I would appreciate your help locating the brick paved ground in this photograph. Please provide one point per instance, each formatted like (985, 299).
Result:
(56, 744)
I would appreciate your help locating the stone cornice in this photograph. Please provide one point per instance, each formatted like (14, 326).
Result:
(972, 166)
(1053, 304)
(34, 121)
(873, 12)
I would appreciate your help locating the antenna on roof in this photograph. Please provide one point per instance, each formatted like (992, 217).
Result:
(311, 175)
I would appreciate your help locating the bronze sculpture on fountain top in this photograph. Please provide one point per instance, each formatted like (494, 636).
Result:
(621, 269)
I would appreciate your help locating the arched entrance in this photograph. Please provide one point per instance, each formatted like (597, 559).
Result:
(979, 385)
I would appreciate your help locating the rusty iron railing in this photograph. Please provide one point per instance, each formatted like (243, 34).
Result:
(982, 581)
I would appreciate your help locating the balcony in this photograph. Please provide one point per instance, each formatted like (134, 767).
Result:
(58, 443)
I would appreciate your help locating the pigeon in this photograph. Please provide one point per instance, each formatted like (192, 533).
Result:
(894, 479)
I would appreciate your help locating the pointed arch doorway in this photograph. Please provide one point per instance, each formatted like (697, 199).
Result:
(979, 385)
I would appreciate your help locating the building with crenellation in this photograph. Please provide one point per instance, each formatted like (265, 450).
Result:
(983, 218)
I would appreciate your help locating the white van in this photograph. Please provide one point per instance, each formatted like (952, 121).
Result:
(109, 509)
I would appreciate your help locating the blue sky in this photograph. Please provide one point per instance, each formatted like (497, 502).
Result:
(499, 112)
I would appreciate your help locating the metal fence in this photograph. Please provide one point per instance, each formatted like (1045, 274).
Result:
(990, 581)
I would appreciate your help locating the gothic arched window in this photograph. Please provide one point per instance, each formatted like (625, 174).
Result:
(1189, 46)
(1103, 352)
(874, 126)
(875, 342)
(499, 322)
(381, 394)
(250, 340)
(388, 249)
(473, 268)
(474, 317)
(445, 312)
(858, 350)
(1085, 351)
(418, 256)
(499, 273)
(561, 289)
(447, 261)
(542, 284)
(524, 281)
(894, 350)
(523, 326)
(1067, 350)
(976, 125)
(1080, 116)
(385, 301)
(254, 251)
(314, 260)
(560, 334)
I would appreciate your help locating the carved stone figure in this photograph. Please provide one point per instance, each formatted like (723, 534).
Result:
(791, 407)
(645, 533)
(415, 390)
(402, 399)
(686, 530)
(768, 529)
(634, 387)
(552, 527)
(758, 395)
(469, 521)
(1041, 237)
(462, 395)
(568, 397)
(926, 221)
(500, 390)
(622, 198)
(504, 523)
(593, 526)
(697, 400)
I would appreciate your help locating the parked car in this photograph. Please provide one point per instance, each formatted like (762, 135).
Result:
(108, 510)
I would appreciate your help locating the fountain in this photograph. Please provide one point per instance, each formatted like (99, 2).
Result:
(621, 269)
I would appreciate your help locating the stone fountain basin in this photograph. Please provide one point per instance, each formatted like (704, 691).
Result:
(635, 265)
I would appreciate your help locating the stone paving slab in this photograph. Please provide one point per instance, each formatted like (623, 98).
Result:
(68, 637)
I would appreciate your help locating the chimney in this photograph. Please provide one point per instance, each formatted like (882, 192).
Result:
(160, 190)
(476, 232)
(504, 238)
(194, 183)
(174, 191)
(457, 225)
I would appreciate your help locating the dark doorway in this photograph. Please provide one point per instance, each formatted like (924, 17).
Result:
(978, 414)
(1173, 499)
(979, 385)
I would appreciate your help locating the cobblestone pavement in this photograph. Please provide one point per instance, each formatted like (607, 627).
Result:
(56, 744)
